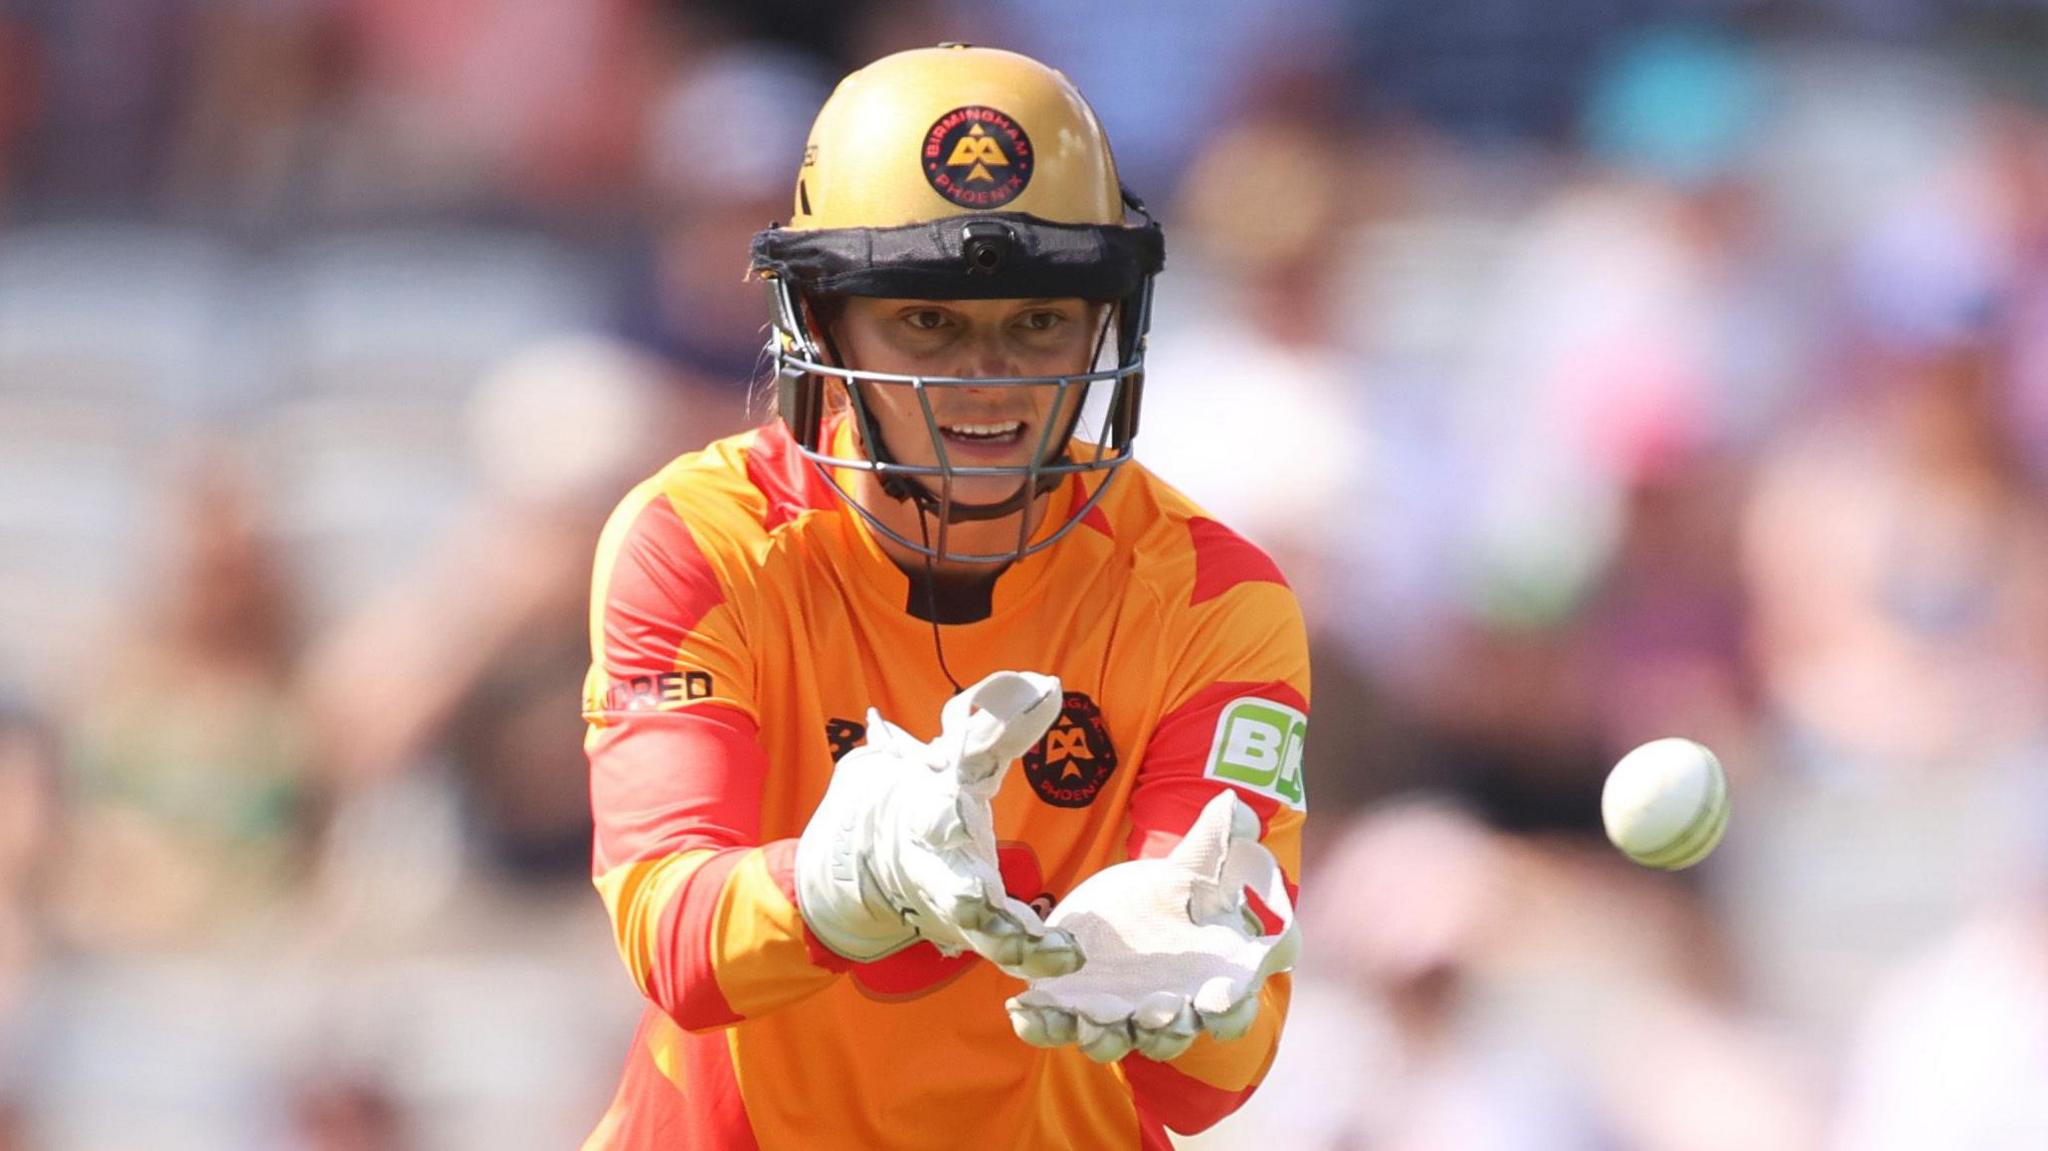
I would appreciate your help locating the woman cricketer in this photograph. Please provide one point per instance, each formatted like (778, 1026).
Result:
(946, 763)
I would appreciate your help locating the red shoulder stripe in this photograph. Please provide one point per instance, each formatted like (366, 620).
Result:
(1224, 559)
(660, 586)
(789, 481)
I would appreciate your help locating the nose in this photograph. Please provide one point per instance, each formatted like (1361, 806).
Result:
(989, 355)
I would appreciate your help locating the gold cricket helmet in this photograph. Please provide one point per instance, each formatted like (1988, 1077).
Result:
(934, 132)
(960, 172)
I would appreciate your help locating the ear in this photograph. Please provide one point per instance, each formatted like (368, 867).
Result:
(836, 403)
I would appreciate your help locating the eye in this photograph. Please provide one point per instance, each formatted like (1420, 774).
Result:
(925, 319)
(1043, 321)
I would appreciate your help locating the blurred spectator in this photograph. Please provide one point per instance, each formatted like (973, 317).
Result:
(1897, 553)
(1617, 334)
(187, 769)
(486, 102)
(1954, 1049)
(12, 1135)
(266, 80)
(1897, 536)
(721, 140)
(1562, 588)
(1508, 727)
(1678, 102)
(476, 660)
(18, 97)
(1469, 991)
(848, 33)
(1495, 75)
(2015, 179)
(29, 766)
(1255, 392)
(107, 82)
(345, 1116)
(1665, 649)
(1167, 73)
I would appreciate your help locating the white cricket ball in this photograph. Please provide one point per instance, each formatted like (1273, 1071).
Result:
(1666, 803)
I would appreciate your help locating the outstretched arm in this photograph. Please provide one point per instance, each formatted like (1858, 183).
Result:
(1238, 727)
(715, 925)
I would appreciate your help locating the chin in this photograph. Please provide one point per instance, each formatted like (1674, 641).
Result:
(984, 490)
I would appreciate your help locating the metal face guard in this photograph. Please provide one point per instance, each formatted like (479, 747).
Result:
(801, 370)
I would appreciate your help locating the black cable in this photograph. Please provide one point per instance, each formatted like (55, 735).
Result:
(931, 599)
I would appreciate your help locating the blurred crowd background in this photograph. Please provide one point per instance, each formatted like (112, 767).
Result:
(1598, 370)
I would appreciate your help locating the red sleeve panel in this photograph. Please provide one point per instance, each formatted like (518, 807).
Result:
(1239, 721)
(701, 914)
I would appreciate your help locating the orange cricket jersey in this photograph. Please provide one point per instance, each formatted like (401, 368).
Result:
(743, 620)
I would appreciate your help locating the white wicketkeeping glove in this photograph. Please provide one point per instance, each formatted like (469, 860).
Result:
(903, 845)
(1172, 947)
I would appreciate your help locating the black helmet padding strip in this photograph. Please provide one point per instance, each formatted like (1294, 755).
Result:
(987, 256)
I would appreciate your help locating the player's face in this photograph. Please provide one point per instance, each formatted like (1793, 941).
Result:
(998, 426)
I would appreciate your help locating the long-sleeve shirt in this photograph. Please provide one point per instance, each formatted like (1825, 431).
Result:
(743, 620)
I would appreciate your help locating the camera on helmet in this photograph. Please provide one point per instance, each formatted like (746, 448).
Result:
(985, 245)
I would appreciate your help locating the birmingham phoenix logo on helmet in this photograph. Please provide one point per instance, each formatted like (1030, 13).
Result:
(921, 182)
(977, 157)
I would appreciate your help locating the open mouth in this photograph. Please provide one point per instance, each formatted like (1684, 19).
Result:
(999, 433)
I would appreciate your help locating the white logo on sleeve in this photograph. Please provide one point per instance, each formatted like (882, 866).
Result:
(1258, 747)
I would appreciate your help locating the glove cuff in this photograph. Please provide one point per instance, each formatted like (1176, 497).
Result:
(835, 899)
